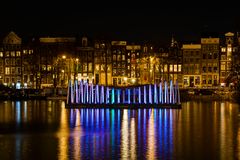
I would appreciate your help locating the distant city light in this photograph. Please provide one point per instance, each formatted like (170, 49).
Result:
(18, 85)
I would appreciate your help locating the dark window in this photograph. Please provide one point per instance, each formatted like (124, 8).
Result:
(204, 56)
(209, 69)
(204, 69)
(215, 56)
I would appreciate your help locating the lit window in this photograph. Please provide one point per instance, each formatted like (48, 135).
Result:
(44, 67)
(123, 57)
(7, 70)
(119, 57)
(49, 68)
(13, 54)
(229, 49)
(171, 68)
(114, 72)
(18, 53)
(185, 80)
(7, 54)
(175, 68)
(179, 68)
(1, 54)
(114, 57)
(165, 68)
(90, 67)
(97, 67)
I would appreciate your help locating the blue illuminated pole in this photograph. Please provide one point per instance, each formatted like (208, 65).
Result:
(76, 91)
(155, 94)
(87, 94)
(150, 94)
(129, 100)
(139, 95)
(81, 91)
(102, 95)
(72, 92)
(170, 91)
(113, 96)
(134, 95)
(97, 93)
(160, 93)
(118, 96)
(144, 94)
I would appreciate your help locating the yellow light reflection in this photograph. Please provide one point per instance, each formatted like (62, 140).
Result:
(124, 136)
(25, 112)
(63, 134)
(133, 139)
(77, 136)
(222, 130)
(238, 141)
(226, 131)
(151, 138)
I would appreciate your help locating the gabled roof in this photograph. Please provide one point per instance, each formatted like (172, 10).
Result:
(229, 34)
(12, 38)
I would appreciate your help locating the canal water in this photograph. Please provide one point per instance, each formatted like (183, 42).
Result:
(46, 130)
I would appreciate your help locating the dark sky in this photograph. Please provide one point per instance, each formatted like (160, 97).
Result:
(120, 21)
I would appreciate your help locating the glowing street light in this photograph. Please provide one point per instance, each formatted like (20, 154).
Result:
(133, 80)
(63, 57)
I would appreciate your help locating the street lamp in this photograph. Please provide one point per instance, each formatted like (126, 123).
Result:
(125, 80)
(133, 80)
(76, 68)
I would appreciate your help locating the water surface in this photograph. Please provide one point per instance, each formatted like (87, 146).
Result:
(46, 130)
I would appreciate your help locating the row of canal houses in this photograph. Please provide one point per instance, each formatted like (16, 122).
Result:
(51, 61)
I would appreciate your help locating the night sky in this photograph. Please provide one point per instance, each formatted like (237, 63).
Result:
(122, 21)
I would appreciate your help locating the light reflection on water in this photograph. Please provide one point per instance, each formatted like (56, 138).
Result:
(200, 130)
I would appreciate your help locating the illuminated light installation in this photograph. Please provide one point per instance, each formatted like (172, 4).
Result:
(160, 93)
(139, 95)
(76, 91)
(150, 94)
(144, 95)
(134, 95)
(171, 98)
(118, 96)
(129, 100)
(155, 94)
(113, 96)
(107, 95)
(85, 93)
(97, 93)
(81, 90)
(102, 95)
(92, 94)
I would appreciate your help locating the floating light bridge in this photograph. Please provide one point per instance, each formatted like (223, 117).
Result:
(85, 95)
